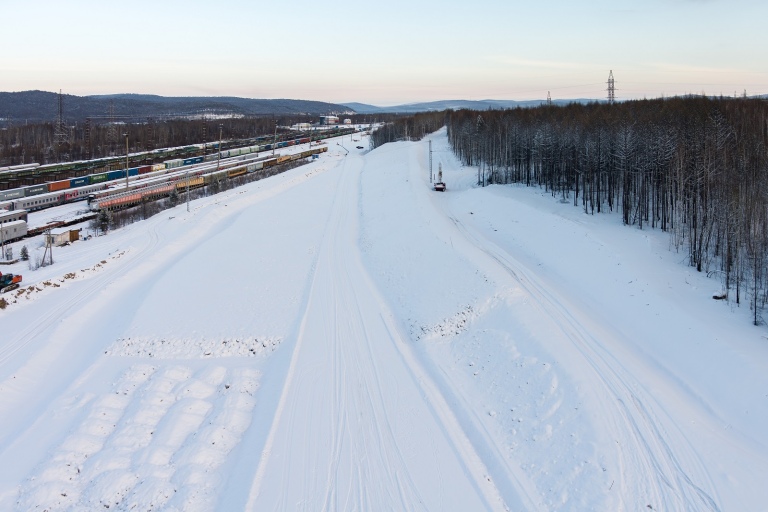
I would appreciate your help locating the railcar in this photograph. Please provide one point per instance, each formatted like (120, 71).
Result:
(55, 192)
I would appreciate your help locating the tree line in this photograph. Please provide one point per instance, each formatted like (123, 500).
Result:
(696, 167)
(22, 143)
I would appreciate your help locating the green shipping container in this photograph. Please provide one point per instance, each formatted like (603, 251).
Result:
(98, 178)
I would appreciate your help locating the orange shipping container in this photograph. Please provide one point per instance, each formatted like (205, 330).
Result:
(58, 185)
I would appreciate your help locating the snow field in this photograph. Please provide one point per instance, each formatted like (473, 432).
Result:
(478, 349)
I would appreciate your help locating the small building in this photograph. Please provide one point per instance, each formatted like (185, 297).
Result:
(347, 121)
(329, 120)
(64, 237)
(302, 127)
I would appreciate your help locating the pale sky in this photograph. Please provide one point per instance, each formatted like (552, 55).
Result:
(387, 52)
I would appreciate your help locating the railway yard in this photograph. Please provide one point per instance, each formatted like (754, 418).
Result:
(29, 211)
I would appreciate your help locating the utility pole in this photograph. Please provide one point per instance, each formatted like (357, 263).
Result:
(48, 246)
(549, 99)
(218, 162)
(430, 160)
(274, 142)
(126, 161)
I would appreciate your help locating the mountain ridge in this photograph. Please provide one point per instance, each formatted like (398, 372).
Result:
(39, 106)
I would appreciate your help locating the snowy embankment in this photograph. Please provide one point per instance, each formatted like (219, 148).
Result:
(341, 337)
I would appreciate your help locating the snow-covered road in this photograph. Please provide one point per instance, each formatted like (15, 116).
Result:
(340, 337)
(356, 428)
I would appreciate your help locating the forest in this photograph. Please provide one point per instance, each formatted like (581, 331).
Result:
(45, 143)
(695, 167)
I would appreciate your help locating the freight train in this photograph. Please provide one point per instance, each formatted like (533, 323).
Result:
(162, 186)
(36, 174)
(54, 193)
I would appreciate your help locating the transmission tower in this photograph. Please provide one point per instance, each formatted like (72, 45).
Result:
(111, 128)
(60, 135)
(151, 133)
(87, 137)
(611, 88)
(205, 129)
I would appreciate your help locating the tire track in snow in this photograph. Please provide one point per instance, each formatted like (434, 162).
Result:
(672, 487)
(354, 425)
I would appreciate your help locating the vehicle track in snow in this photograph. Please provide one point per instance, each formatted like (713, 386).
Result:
(661, 477)
(49, 336)
(16, 343)
(357, 426)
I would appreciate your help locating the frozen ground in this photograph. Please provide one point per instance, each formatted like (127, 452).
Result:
(340, 337)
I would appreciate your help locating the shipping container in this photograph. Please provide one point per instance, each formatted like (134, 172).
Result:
(181, 185)
(114, 175)
(172, 164)
(78, 182)
(194, 160)
(35, 189)
(158, 167)
(144, 169)
(98, 178)
(55, 186)
(255, 166)
(16, 193)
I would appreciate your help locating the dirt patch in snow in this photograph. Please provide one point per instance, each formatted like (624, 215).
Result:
(182, 348)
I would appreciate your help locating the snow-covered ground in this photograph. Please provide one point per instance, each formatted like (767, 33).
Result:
(341, 337)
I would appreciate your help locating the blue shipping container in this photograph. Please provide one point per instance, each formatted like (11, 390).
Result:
(78, 182)
(114, 175)
(132, 172)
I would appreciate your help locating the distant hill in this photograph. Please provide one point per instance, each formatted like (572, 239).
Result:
(362, 108)
(43, 106)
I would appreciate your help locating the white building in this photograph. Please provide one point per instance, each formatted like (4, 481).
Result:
(329, 120)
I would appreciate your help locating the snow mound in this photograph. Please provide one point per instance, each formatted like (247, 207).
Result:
(181, 348)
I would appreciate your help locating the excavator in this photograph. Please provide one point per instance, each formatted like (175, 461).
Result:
(9, 282)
